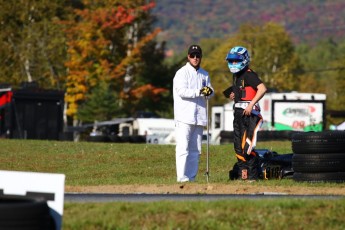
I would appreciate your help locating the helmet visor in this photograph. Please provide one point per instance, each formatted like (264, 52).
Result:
(234, 58)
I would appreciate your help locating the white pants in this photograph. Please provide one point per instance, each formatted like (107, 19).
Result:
(188, 150)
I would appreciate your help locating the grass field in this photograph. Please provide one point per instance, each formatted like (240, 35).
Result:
(90, 163)
(93, 164)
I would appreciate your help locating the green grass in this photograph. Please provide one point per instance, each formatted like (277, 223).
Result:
(223, 214)
(86, 163)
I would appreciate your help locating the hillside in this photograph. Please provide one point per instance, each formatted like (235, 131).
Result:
(186, 22)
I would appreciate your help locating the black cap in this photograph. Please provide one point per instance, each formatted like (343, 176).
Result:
(194, 49)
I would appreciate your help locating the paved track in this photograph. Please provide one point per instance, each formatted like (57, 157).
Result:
(106, 197)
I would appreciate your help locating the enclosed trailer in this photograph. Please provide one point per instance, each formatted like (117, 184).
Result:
(31, 113)
(292, 111)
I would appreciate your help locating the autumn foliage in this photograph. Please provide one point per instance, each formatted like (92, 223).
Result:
(99, 51)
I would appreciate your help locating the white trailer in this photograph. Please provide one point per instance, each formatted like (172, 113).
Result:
(156, 130)
(291, 111)
(151, 130)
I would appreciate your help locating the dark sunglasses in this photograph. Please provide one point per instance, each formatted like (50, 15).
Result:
(193, 55)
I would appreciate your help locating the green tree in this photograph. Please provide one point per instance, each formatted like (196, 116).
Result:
(336, 91)
(272, 56)
(323, 70)
(107, 42)
(153, 70)
(32, 42)
(100, 104)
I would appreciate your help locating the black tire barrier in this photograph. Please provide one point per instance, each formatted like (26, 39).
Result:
(118, 139)
(337, 177)
(319, 156)
(23, 213)
(225, 141)
(138, 139)
(125, 139)
(114, 138)
(319, 142)
(264, 135)
(129, 139)
(98, 139)
(331, 162)
(226, 134)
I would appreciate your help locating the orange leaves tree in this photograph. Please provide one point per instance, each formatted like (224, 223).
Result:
(105, 43)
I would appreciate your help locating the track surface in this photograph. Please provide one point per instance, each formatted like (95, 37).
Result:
(102, 197)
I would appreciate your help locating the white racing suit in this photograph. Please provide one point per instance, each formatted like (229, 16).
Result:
(190, 119)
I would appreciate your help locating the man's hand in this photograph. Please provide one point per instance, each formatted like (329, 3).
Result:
(206, 91)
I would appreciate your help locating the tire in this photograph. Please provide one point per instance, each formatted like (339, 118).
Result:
(336, 177)
(225, 141)
(319, 142)
(137, 139)
(332, 162)
(125, 139)
(226, 134)
(265, 135)
(114, 138)
(23, 213)
(98, 139)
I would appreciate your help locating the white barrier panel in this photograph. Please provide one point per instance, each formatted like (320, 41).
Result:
(32, 184)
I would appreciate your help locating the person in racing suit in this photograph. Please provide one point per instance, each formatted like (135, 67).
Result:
(246, 91)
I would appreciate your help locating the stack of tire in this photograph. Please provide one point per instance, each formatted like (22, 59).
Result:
(319, 156)
(18, 212)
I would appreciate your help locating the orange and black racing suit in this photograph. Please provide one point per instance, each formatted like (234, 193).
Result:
(246, 127)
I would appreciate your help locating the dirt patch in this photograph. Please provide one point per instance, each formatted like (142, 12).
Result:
(192, 188)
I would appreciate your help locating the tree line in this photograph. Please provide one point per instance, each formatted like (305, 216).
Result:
(282, 65)
(104, 55)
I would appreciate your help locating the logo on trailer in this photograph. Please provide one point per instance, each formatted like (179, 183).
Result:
(299, 112)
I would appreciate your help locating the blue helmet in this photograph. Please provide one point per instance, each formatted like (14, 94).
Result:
(237, 58)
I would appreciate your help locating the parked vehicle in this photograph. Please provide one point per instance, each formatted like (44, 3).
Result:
(136, 130)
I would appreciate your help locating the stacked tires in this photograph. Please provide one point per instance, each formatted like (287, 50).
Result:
(18, 213)
(319, 156)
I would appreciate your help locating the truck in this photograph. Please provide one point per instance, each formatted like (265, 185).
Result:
(290, 111)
